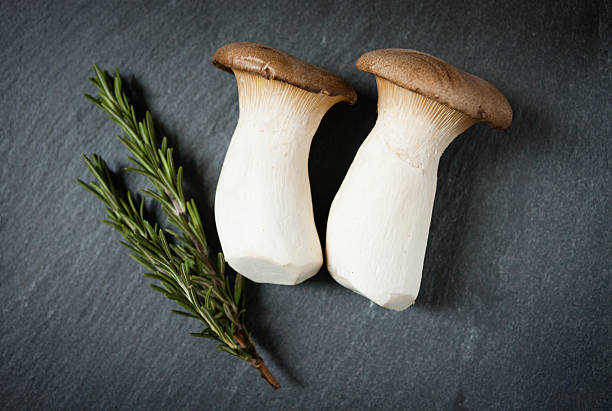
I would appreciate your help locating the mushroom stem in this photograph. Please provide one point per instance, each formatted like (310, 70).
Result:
(379, 220)
(263, 205)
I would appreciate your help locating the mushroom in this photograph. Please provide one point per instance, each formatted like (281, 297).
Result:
(263, 204)
(379, 219)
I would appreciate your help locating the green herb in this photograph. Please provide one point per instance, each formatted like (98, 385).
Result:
(178, 258)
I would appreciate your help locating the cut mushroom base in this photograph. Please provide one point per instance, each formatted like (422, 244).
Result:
(263, 205)
(377, 248)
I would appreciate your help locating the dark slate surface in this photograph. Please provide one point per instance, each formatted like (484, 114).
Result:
(515, 310)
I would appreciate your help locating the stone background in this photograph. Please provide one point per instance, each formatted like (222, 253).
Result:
(515, 309)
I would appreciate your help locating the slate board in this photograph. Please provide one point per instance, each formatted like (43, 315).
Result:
(515, 309)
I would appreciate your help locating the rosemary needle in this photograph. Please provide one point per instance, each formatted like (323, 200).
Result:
(178, 258)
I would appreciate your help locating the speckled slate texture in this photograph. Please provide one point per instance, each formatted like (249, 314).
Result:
(515, 310)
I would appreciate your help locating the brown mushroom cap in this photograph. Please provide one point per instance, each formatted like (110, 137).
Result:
(436, 79)
(277, 65)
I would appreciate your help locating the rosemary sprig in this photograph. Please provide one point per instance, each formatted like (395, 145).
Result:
(182, 264)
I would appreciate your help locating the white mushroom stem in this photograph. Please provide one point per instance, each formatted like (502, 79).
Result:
(379, 220)
(263, 205)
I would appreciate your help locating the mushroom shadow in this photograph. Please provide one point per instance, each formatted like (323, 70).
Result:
(444, 284)
(339, 136)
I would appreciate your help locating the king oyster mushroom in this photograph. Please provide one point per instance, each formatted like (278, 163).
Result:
(263, 205)
(379, 220)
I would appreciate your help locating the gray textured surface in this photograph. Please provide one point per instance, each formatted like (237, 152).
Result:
(515, 310)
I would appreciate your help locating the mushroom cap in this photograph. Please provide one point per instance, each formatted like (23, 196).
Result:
(442, 82)
(277, 65)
